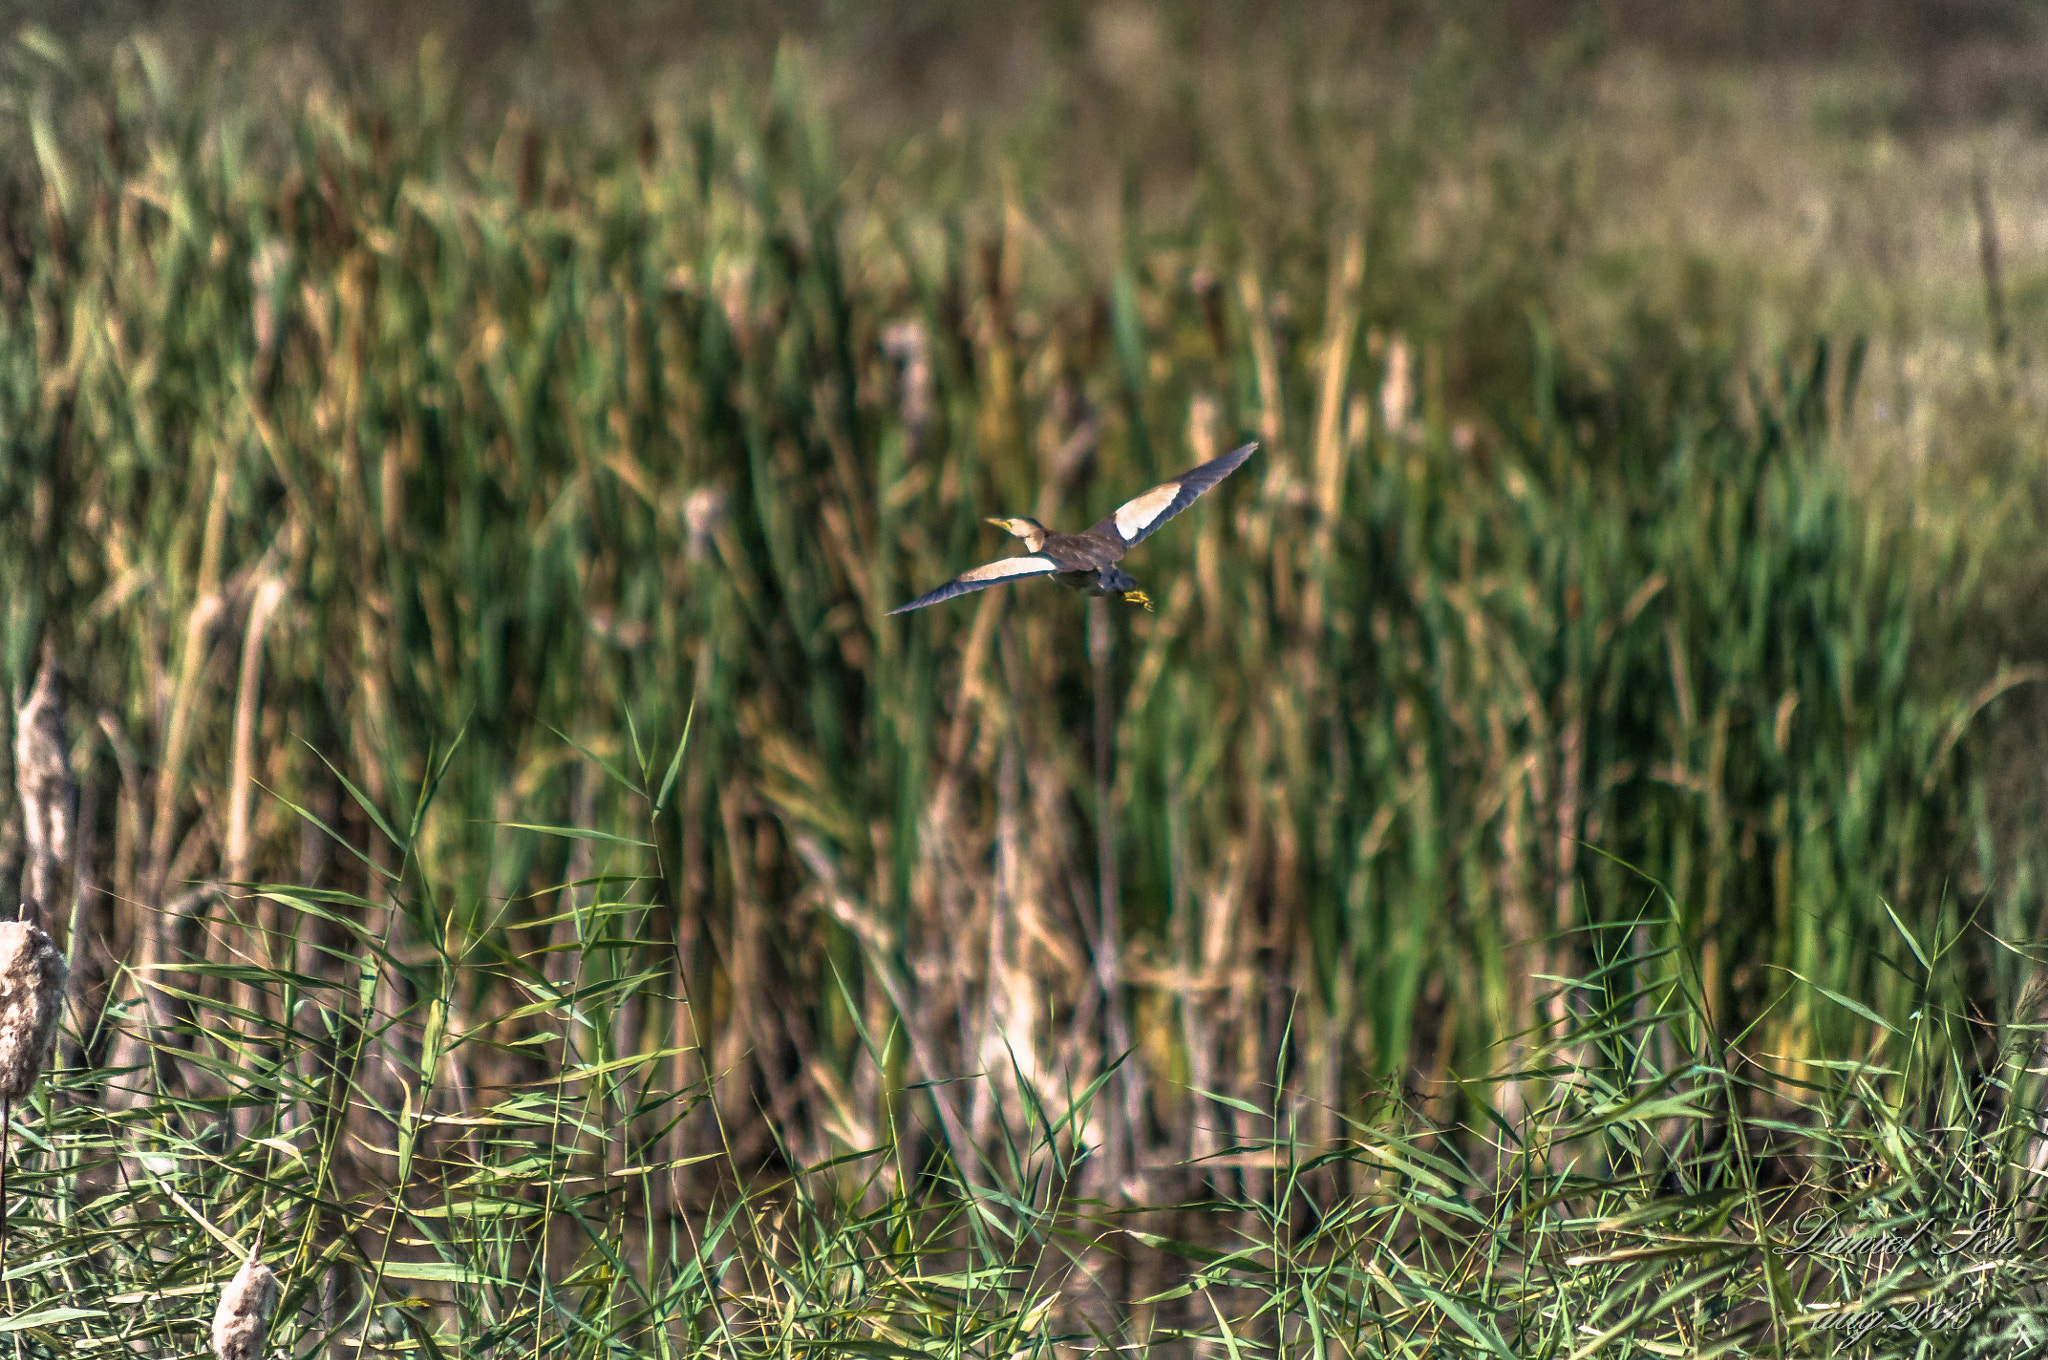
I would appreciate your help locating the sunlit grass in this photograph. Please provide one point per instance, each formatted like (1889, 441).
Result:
(1660, 1198)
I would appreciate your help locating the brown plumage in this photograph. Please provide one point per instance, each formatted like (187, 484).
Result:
(1087, 561)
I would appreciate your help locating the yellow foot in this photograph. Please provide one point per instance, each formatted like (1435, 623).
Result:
(1138, 597)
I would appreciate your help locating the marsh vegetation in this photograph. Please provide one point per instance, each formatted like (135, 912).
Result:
(1575, 810)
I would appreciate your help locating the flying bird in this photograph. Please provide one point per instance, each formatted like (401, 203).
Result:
(1087, 561)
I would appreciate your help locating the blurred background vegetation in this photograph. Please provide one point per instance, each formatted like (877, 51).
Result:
(1645, 545)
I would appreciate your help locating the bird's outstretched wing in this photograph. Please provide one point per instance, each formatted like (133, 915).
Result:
(1137, 518)
(982, 577)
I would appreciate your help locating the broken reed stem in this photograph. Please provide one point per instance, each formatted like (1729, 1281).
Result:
(163, 820)
(1994, 273)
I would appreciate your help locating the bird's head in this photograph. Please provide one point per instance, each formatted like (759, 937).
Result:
(1024, 527)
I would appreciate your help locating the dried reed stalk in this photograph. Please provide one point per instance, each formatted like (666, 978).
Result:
(242, 1321)
(32, 972)
(248, 709)
(241, 798)
(1994, 274)
(42, 773)
(1347, 277)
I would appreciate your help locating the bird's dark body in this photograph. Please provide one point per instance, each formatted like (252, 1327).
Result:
(1090, 559)
(1087, 561)
(1103, 581)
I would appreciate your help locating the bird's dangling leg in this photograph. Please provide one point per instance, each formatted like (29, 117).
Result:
(1138, 597)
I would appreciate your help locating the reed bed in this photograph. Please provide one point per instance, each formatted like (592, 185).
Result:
(521, 873)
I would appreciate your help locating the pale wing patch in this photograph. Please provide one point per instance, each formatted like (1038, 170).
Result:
(1008, 567)
(981, 578)
(1134, 517)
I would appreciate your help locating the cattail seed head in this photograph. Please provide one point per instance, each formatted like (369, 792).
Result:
(1397, 389)
(703, 515)
(32, 980)
(242, 1321)
(907, 343)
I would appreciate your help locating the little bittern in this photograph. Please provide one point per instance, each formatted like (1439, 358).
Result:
(1086, 561)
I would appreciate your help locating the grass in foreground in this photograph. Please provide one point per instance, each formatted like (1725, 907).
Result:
(1658, 1194)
